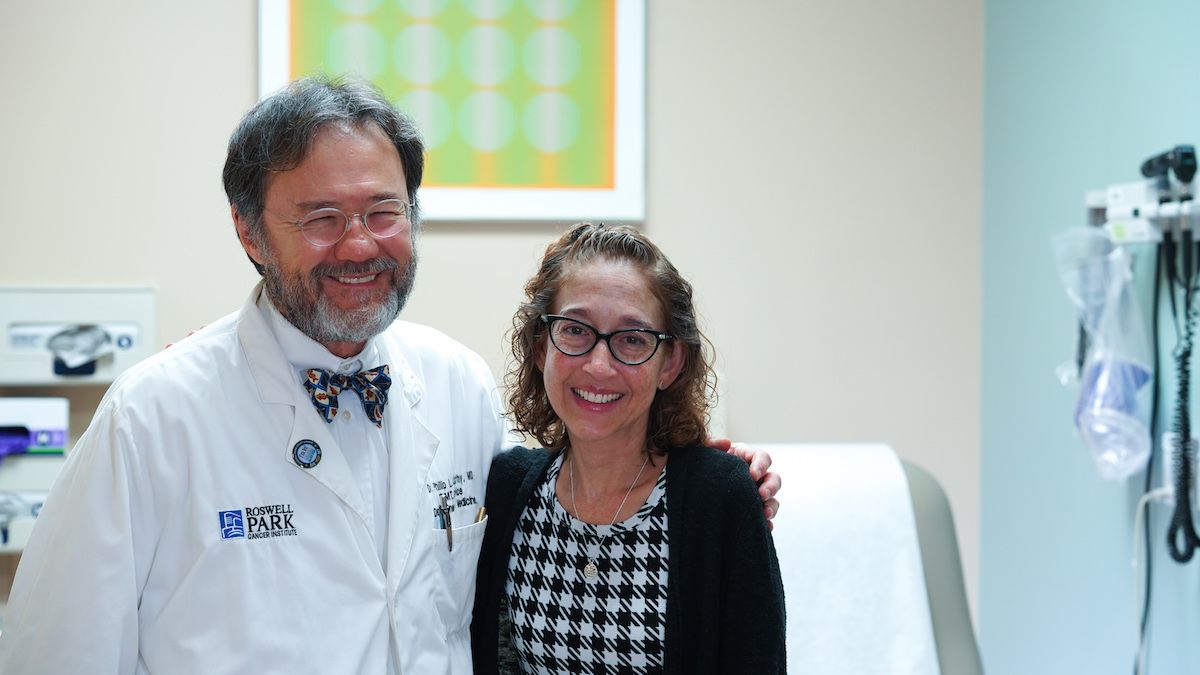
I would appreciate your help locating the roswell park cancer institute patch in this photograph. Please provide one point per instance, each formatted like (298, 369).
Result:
(258, 522)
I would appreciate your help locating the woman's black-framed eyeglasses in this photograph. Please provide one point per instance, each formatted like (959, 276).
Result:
(632, 346)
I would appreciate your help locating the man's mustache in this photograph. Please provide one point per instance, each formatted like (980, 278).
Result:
(347, 269)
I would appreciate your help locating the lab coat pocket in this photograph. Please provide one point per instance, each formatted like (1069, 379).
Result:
(456, 596)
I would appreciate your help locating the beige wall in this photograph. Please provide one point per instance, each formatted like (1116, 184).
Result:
(813, 167)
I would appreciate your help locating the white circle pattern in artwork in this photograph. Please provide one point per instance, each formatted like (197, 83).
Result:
(432, 114)
(551, 10)
(551, 56)
(487, 55)
(422, 9)
(358, 48)
(356, 7)
(488, 10)
(551, 121)
(487, 121)
(423, 54)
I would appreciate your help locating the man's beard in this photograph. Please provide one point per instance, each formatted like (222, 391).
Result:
(302, 301)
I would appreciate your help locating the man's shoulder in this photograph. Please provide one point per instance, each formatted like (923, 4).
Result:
(420, 336)
(425, 346)
(195, 359)
(173, 382)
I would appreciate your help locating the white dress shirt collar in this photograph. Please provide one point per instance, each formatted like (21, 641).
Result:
(303, 352)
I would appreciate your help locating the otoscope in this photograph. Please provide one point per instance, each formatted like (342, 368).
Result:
(1182, 539)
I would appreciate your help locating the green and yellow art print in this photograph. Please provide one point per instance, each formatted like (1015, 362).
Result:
(528, 108)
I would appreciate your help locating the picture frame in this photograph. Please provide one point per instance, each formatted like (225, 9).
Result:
(599, 174)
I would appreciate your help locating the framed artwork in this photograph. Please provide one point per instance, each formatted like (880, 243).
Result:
(530, 109)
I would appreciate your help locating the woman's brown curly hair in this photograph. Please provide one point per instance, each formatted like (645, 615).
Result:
(679, 413)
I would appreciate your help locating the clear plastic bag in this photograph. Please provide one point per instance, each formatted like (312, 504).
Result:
(1112, 413)
(1081, 255)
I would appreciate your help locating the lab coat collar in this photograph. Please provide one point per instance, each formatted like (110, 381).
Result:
(303, 352)
(412, 446)
(267, 363)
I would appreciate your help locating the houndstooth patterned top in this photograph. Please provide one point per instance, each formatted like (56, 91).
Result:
(566, 623)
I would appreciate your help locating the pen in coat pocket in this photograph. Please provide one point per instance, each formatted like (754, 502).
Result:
(449, 524)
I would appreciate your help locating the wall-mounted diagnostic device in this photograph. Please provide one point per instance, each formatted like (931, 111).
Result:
(51, 335)
(1157, 216)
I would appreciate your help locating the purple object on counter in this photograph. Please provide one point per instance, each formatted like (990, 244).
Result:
(13, 440)
(18, 440)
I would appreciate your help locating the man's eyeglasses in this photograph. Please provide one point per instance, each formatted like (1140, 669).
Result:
(326, 227)
(632, 346)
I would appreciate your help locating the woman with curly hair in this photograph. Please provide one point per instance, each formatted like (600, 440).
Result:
(625, 545)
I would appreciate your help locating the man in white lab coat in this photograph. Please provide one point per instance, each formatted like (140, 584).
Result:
(296, 487)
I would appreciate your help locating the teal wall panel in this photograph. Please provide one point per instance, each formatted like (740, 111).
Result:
(1076, 94)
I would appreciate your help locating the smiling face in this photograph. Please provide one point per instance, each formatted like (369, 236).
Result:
(601, 401)
(344, 294)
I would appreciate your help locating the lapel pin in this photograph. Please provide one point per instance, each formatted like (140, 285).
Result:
(306, 454)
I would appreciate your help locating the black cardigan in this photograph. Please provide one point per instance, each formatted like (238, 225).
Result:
(725, 609)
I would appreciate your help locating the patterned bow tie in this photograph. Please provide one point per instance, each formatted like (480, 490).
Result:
(370, 385)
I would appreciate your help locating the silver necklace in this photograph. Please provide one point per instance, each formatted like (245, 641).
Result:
(590, 570)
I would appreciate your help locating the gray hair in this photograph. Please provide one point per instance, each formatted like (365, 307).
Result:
(277, 133)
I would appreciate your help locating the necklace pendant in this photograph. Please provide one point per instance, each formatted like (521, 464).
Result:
(590, 571)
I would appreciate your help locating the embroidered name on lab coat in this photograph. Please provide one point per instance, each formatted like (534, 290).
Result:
(456, 490)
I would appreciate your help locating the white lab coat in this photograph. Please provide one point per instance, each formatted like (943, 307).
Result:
(128, 571)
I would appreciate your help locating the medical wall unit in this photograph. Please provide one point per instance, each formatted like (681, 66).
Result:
(36, 426)
(34, 433)
(1133, 273)
(80, 335)
(53, 337)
